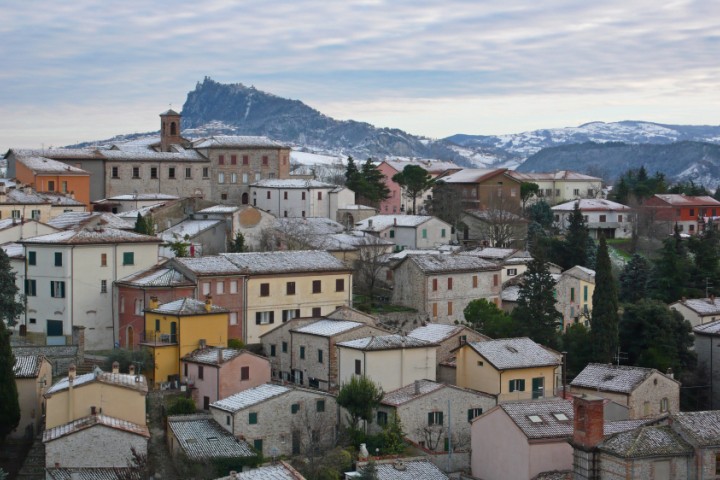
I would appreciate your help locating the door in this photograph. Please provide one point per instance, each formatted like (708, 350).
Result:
(130, 338)
(295, 442)
(55, 332)
(538, 387)
(173, 332)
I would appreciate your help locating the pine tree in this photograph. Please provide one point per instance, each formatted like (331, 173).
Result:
(9, 406)
(372, 185)
(10, 307)
(535, 315)
(670, 273)
(140, 226)
(576, 240)
(414, 180)
(238, 243)
(634, 279)
(352, 175)
(605, 320)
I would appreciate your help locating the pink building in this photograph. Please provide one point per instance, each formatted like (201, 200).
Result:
(134, 292)
(217, 373)
(396, 202)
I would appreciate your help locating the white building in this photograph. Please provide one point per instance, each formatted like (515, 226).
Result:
(300, 198)
(611, 218)
(69, 281)
(563, 185)
(408, 231)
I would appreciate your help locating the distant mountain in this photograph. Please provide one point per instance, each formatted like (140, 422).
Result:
(681, 161)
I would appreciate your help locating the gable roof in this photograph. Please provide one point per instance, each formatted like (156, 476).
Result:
(700, 428)
(420, 388)
(210, 265)
(201, 438)
(385, 342)
(441, 263)
(581, 273)
(250, 397)
(209, 355)
(27, 366)
(90, 237)
(187, 306)
(91, 421)
(702, 306)
(508, 353)
(682, 200)
(280, 471)
(97, 473)
(591, 205)
(75, 220)
(612, 378)
(411, 470)
(437, 332)
(559, 175)
(473, 175)
(135, 382)
(42, 165)
(379, 223)
(647, 441)
(328, 327)
(237, 141)
(289, 261)
(291, 183)
(161, 275)
(188, 228)
(712, 328)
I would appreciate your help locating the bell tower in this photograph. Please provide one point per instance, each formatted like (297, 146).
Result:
(169, 129)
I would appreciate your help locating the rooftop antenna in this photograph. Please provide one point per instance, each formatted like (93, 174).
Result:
(620, 356)
(708, 283)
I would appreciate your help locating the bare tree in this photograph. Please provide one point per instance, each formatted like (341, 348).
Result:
(500, 223)
(313, 434)
(369, 268)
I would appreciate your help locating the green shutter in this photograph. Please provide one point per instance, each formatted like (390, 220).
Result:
(585, 290)
(441, 418)
(32, 258)
(258, 445)
(294, 408)
(521, 385)
(320, 406)
(430, 418)
(253, 418)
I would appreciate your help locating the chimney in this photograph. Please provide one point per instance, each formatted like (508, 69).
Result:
(219, 355)
(71, 372)
(370, 222)
(589, 421)
(78, 339)
(395, 221)
(712, 299)
(116, 367)
(154, 303)
(417, 387)
(670, 373)
(202, 343)
(131, 369)
(208, 303)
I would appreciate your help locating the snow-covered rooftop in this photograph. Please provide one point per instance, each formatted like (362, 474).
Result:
(91, 421)
(134, 155)
(157, 276)
(582, 273)
(187, 306)
(559, 175)
(436, 332)
(27, 366)
(682, 200)
(510, 294)
(703, 306)
(141, 197)
(136, 382)
(14, 250)
(712, 328)
(285, 262)
(379, 223)
(191, 228)
(250, 397)
(75, 220)
(220, 209)
(411, 470)
(508, 353)
(291, 183)
(591, 205)
(385, 342)
(304, 226)
(451, 263)
(647, 441)
(237, 141)
(611, 378)
(408, 392)
(201, 438)
(432, 166)
(703, 428)
(210, 355)
(49, 166)
(91, 236)
(472, 175)
(328, 328)
(210, 265)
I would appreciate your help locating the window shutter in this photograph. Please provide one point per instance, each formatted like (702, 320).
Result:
(52, 289)
(441, 418)
(512, 385)
(272, 317)
(258, 317)
(430, 418)
(297, 312)
(521, 385)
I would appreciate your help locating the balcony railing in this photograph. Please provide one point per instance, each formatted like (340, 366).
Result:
(159, 338)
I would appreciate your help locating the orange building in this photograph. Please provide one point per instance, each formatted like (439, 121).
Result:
(687, 212)
(47, 175)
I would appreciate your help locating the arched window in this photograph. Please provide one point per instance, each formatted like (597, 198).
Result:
(130, 338)
(173, 128)
(245, 198)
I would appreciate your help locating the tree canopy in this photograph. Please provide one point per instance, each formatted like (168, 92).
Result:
(604, 320)
(9, 406)
(368, 182)
(360, 396)
(488, 319)
(414, 180)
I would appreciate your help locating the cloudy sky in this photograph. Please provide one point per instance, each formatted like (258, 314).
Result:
(85, 70)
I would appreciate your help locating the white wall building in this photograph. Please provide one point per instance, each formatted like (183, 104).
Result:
(300, 198)
(408, 231)
(611, 218)
(69, 279)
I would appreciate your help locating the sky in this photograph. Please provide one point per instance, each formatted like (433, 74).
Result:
(85, 70)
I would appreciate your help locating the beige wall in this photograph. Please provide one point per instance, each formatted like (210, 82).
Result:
(391, 369)
(572, 308)
(113, 401)
(30, 398)
(498, 448)
(691, 315)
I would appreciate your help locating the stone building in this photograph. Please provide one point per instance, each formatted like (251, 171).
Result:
(33, 375)
(300, 198)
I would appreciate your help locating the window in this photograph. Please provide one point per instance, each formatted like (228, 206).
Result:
(233, 318)
(246, 160)
(258, 444)
(103, 286)
(317, 312)
(603, 218)
(264, 289)
(517, 385)
(115, 172)
(221, 160)
(717, 464)
(664, 405)
(265, 160)
(171, 172)
(290, 314)
(620, 218)
(320, 406)
(58, 259)
(272, 351)
(572, 294)
(511, 272)
(358, 367)
(245, 178)
(51, 186)
(434, 285)
(206, 288)
(153, 172)
(103, 259)
(576, 192)
(227, 419)
(188, 172)
(435, 310)
(221, 177)
(294, 408)
(128, 258)
(692, 212)
(302, 196)
(319, 195)
(340, 285)
(233, 159)
(320, 356)
(450, 308)
(233, 286)
(302, 352)
(585, 293)
(285, 197)
(32, 258)
(206, 172)
(201, 372)
(284, 347)
(585, 218)
(16, 214)
(449, 283)
(496, 280)
(382, 418)
(392, 233)
(244, 373)
(264, 318)
(435, 418)
(223, 196)
(253, 418)
(474, 412)
(139, 305)
(442, 233)
(424, 233)
(35, 214)
(30, 288)
(317, 286)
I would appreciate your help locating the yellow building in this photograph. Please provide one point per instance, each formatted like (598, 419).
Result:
(174, 329)
(113, 394)
(511, 368)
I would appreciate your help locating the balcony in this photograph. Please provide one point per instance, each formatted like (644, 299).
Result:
(158, 338)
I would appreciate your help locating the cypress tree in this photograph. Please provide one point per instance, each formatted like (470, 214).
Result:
(670, 273)
(10, 308)
(352, 175)
(535, 314)
(634, 279)
(576, 240)
(604, 321)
